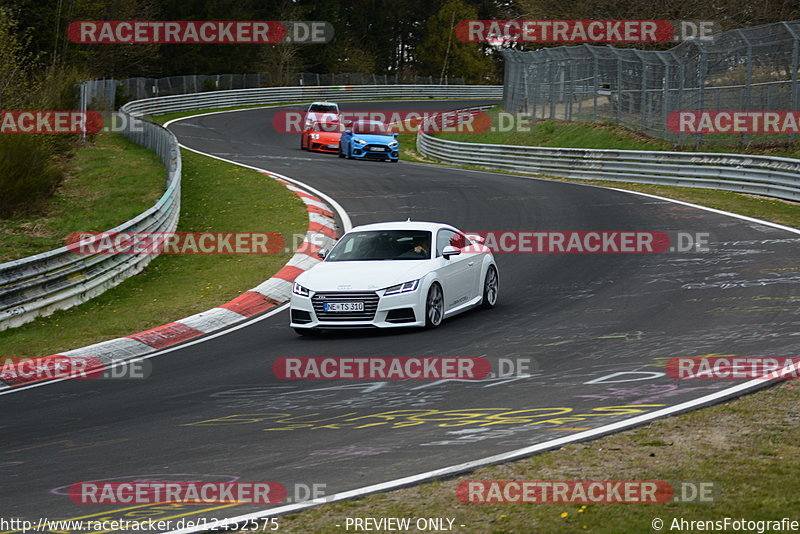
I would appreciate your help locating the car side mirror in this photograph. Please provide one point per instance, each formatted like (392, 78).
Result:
(348, 132)
(450, 251)
(395, 135)
(322, 253)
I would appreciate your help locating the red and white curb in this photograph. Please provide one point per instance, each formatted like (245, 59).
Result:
(321, 233)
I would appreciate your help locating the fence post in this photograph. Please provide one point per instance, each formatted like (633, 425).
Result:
(619, 84)
(701, 82)
(748, 79)
(643, 90)
(665, 95)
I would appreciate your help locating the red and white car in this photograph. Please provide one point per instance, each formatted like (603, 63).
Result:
(322, 137)
(321, 112)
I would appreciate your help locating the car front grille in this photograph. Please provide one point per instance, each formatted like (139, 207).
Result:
(370, 300)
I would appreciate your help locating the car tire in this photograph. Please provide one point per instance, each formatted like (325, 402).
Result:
(491, 286)
(306, 332)
(434, 306)
(395, 160)
(341, 154)
(301, 145)
(349, 153)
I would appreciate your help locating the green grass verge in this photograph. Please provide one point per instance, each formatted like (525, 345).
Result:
(216, 196)
(107, 183)
(605, 134)
(747, 447)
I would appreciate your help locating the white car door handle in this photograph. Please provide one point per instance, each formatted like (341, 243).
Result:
(471, 263)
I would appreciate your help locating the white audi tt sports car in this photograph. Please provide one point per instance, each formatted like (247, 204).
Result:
(394, 274)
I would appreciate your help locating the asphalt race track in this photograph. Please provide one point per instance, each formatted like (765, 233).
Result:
(597, 329)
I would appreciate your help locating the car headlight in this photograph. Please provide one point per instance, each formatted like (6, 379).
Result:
(405, 287)
(393, 143)
(297, 289)
(360, 141)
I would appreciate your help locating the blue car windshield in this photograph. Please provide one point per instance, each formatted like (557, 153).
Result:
(371, 128)
(380, 245)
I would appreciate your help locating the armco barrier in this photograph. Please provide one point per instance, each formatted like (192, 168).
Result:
(59, 279)
(277, 95)
(758, 175)
(321, 233)
(38, 285)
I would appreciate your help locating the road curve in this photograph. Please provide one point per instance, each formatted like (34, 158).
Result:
(597, 329)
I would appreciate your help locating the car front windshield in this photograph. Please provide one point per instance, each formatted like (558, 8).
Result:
(378, 245)
(323, 108)
(371, 128)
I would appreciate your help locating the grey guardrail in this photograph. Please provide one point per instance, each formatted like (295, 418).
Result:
(278, 95)
(58, 279)
(758, 175)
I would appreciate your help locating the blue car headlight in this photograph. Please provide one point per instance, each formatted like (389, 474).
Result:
(297, 289)
(360, 141)
(393, 144)
(405, 287)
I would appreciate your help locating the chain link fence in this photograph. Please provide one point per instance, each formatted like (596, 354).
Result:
(749, 69)
(109, 94)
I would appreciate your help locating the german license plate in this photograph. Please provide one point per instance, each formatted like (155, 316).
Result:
(343, 306)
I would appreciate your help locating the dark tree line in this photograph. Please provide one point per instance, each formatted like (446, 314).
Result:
(371, 36)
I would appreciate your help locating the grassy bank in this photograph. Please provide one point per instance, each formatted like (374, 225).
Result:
(107, 183)
(216, 196)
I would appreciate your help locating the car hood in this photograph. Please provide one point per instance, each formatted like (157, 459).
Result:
(362, 275)
(375, 139)
(327, 137)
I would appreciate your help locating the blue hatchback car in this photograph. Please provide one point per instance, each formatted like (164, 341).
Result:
(369, 140)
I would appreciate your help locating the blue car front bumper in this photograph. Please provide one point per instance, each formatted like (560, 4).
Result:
(374, 151)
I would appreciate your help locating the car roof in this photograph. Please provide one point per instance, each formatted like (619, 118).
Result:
(403, 225)
(323, 104)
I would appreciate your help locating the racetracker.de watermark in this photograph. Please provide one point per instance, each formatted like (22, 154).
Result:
(583, 31)
(67, 122)
(589, 242)
(586, 491)
(23, 371)
(200, 492)
(180, 243)
(401, 121)
(199, 32)
(734, 368)
(381, 368)
(734, 122)
(50, 122)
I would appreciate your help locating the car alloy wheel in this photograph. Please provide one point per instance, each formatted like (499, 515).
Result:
(491, 285)
(434, 307)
